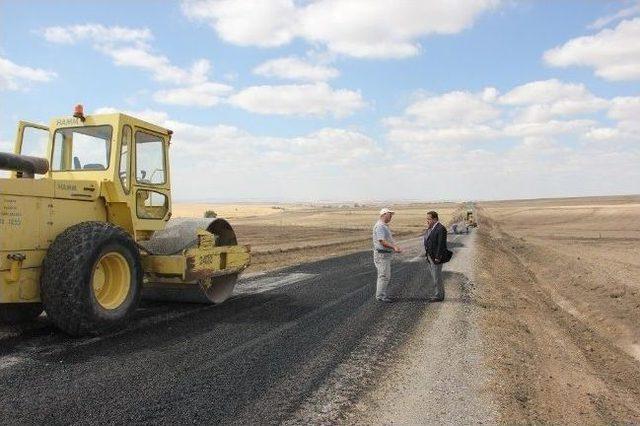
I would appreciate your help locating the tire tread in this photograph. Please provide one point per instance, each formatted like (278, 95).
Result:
(66, 275)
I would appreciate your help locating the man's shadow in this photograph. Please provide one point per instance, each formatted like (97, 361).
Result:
(419, 286)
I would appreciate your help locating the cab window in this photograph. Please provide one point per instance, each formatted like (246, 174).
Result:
(34, 142)
(81, 148)
(150, 162)
(151, 204)
(125, 150)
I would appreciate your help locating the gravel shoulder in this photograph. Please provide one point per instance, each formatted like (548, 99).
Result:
(438, 376)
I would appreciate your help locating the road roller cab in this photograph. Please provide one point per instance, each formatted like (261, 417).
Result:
(85, 226)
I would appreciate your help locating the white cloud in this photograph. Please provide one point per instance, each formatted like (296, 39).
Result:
(626, 110)
(453, 117)
(546, 92)
(299, 167)
(159, 66)
(291, 68)
(446, 135)
(150, 115)
(627, 12)
(525, 168)
(614, 54)
(546, 143)
(603, 134)
(454, 108)
(96, 33)
(490, 94)
(358, 28)
(128, 47)
(203, 95)
(298, 99)
(264, 23)
(216, 143)
(547, 128)
(315, 165)
(535, 109)
(547, 99)
(532, 111)
(385, 28)
(17, 77)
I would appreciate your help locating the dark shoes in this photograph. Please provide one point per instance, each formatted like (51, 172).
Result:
(435, 299)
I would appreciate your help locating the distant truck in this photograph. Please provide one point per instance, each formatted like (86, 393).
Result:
(469, 220)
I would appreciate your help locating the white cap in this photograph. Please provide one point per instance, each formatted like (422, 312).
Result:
(385, 211)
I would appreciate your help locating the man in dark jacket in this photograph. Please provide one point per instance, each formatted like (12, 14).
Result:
(435, 246)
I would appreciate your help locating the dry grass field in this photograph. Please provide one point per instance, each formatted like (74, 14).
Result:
(561, 282)
(286, 234)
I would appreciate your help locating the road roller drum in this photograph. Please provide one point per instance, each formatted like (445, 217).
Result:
(181, 236)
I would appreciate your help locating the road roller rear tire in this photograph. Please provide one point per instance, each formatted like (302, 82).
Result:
(91, 278)
(16, 313)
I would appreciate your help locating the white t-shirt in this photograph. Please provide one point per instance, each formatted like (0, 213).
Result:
(381, 231)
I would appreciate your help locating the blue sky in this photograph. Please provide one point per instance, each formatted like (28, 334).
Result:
(347, 100)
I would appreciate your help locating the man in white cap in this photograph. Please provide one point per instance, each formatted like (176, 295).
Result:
(383, 247)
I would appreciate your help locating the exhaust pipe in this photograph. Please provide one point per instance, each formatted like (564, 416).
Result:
(25, 166)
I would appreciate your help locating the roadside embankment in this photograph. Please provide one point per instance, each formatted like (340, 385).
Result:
(560, 329)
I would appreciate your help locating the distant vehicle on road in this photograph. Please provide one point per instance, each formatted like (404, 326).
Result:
(470, 221)
(459, 228)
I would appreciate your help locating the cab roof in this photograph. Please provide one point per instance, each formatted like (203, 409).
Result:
(110, 119)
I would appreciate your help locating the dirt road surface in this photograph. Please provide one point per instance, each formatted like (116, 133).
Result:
(308, 343)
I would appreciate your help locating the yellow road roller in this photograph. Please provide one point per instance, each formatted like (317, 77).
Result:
(85, 227)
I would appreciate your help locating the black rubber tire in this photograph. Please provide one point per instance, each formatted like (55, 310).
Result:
(15, 313)
(66, 290)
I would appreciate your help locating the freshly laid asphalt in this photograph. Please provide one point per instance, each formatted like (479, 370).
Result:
(254, 359)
